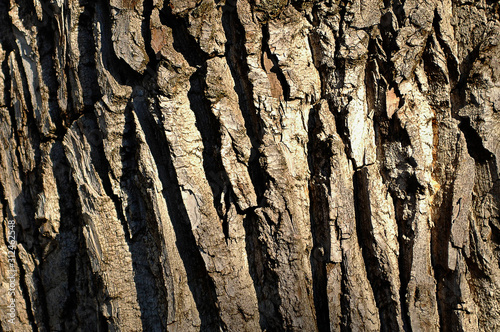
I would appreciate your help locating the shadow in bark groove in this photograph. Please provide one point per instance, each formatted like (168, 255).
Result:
(152, 240)
(265, 280)
(80, 302)
(206, 123)
(319, 154)
(403, 189)
(374, 265)
(475, 145)
(199, 282)
(259, 266)
(209, 128)
(147, 293)
(235, 51)
(146, 33)
(87, 67)
(117, 67)
(91, 131)
(46, 48)
(275, 69)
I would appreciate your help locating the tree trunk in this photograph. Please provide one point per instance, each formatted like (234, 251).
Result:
(249, 165)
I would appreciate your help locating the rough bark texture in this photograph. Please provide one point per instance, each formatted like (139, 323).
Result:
(251, 165)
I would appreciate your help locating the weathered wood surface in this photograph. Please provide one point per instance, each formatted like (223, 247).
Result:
(251, 165)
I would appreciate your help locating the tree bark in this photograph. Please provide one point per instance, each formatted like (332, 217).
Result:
(208, 165)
